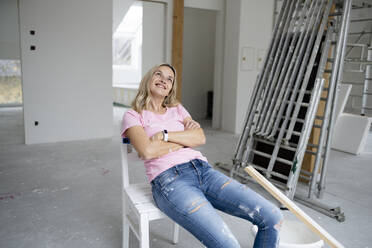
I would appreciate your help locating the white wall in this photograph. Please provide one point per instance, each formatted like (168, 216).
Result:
(218, 67)
(248, 24)
(198, 59)
(256, 19)
(9, 31)
(230, 77)
(67, 80)
(154, 33)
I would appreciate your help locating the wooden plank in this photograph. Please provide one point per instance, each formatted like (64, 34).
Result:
(315, 227)
(177, 43)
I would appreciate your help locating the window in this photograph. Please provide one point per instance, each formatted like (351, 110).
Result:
(10, 82)
(127, 40)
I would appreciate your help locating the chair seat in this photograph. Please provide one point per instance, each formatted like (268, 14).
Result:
(141, 199)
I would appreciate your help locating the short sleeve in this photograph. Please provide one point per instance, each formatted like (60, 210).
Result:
(183, 112)
(131, 118)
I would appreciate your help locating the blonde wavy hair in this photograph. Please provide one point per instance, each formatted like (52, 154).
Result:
(143, 97)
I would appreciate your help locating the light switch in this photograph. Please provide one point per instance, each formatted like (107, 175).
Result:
(247, 59)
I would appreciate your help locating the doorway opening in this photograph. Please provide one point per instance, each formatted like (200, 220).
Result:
(11, 99)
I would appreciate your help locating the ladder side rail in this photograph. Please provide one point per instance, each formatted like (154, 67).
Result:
(337, 77)
(323, 129)
(367, 79)
(310, 116)
(247, 122)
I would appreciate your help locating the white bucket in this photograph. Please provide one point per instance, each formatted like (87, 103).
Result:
(295, 234)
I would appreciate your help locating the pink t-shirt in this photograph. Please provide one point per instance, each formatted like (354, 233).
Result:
(152, 123)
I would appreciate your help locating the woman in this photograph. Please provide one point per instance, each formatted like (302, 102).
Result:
(184, 185)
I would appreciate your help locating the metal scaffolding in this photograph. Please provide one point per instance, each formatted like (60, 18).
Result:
(283, 108)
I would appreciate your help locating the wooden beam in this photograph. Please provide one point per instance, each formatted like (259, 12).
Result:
(315, 227)
(177, 42)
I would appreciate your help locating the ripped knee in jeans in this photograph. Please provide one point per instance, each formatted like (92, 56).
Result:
(227, 183)
(195, 206)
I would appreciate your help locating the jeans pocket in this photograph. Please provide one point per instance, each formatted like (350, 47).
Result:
(166, 179)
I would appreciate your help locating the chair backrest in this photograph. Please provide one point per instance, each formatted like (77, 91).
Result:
(124, 148)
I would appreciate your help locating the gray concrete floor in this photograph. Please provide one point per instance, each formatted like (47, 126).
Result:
(68, 194)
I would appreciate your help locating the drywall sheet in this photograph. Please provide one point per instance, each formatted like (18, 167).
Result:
(343, 95)
(350, 133)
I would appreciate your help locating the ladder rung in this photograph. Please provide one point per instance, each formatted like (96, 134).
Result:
(282, 160)
(297, 120)
(317, 126)
(355, 95)
(306, 91)
(306, 173)
(296, 133)
(324, 99)
(356, 71)
(319, 117)
(353, 59)
(336, 14)
(357, 83)
(302, 104)
(273, 144)
(312, 145)
(310, 152)
(292, 144)
(261, 153)
(361, 20)
(359, 61)
(328, 71)
(306, 177)
(331, 60)
(293, 132)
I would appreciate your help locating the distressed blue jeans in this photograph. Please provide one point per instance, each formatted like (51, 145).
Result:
(190, 193)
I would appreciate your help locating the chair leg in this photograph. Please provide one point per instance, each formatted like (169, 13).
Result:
(176, 233)
(125, 233)
(125, 226)
(144, 232)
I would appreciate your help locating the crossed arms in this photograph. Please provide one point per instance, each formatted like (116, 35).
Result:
(154, 146)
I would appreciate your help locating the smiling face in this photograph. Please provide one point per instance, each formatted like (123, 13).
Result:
(162, 81)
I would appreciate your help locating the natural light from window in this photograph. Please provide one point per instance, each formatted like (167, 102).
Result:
(127, 44)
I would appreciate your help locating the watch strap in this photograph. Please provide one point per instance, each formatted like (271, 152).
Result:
(165, 135)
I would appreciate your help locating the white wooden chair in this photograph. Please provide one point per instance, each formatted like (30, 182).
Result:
(138, 203)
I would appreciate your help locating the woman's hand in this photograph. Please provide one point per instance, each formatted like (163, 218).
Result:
(191, 124)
